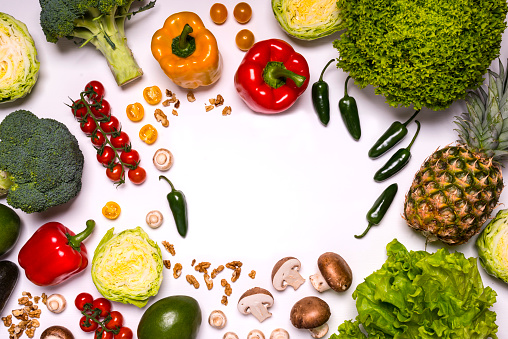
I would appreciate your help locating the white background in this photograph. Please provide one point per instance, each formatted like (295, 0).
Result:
(258, 187)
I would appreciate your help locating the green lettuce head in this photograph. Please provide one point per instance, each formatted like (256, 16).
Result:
(492, 245)
(306, 19)
(20, 67)
(127, 267)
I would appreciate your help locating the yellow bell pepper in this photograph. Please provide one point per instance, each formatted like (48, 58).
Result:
(186, 51)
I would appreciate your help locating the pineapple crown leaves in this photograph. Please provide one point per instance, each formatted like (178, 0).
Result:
(484, 128)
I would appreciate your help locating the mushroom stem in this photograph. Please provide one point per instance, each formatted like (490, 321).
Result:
(319, 332)
(294, 279)
(318, 281)
(260, 312)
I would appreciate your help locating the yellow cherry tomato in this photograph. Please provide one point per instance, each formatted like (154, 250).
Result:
(218, 13)
(135, 112)
(148, 134)
(152, 95)
(242, 12)
(111, 210)
(244, 39)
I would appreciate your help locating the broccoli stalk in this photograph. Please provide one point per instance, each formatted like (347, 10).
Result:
(100, 23)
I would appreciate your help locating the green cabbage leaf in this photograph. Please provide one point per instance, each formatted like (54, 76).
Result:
(417, 294)
(492, 245)
(127, 267)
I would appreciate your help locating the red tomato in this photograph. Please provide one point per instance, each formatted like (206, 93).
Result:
(130, 158)
(88, 126)
(113, 125)
(78, 109)
(103, 304)
(101, 109)
(106, 155)
(137, 175)
(95, 89)
(98, 139)
(125, 333)
(120, 141)
(100, 334)
(115, 174)
(82, 299)
(87, 326)
(116, 320)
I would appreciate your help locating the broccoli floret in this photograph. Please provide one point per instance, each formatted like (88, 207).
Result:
(100, 22)
(40, 162)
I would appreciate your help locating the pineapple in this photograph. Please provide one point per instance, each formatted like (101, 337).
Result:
(457, 187)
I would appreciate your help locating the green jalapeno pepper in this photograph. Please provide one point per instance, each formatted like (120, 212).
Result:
(397, 161)
(378, 210)
(349, 111)
(393, 135)
(178, 207)
(320, 97)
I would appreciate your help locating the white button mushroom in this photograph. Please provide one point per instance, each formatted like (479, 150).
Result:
(217, 319)
(154, 219)
(334, 273)
(230, 335)
(256, 302)
(285, 273)
(279, 333)
(56, 303)
(311, 313)
(163, 159)
(255, 334)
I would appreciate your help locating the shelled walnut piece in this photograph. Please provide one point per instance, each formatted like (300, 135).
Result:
(28, 317)
(169, 247)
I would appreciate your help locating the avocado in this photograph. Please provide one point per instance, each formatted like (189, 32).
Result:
(173, 317)
(9, 229)
(9, 274)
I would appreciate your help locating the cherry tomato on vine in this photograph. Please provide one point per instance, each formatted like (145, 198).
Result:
(137, 175)
(115, 173)
(135, 112)
(242, 12)
(152, 95)
(130, 158)
(87, 326)
(78, 109)
(82, 299)
(218, 13)
(125, 333)
(98, 139)
(88, 126)
(101, 109)
(113, 125)
(97, 88)
(101, 334)
(106, 155)
(103, 304)
(116, 321)
(120, 141)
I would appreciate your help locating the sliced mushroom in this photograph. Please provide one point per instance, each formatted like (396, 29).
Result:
(163, 159)
(256, 302)
(256, 334)
(154, 219)
(57, 332)
(230, 335)
(279, 333)
(56, 303)
(334, 273)
(311, 313)
(217, 319)
(285, 273)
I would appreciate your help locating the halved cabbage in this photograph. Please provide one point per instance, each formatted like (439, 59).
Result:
(19, 67)
(307, 19)
(492, 245)
(127, 267)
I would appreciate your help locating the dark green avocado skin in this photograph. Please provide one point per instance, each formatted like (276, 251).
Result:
(173, 317)
(9, 274)
(9, 229)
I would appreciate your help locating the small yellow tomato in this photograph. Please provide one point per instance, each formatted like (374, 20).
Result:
(111, 210)
(135, 112)
(244, 39)
(152, 95)
(148, 134)
(242, 12)
(218, 13)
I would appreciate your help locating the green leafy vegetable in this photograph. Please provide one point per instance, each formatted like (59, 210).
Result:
(18, 59)
(417, 294)
(492, 244)
(420, 53)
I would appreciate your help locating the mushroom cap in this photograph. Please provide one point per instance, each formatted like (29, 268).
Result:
(294, 263)
(56, 303)
(285, 272)
(163, 159)
(256, 334)
(154, 219)
(335, 271)
(309, 312)
(230, 335)
(265, 296)
(279, 333)
(57, 332)
(217, 319)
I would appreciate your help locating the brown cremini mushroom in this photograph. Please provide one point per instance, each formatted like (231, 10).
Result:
(57, 332)
(285, 273)
(230, 335)
(334, 273)
(256, 334)
(217, 319)
(56, 303)
(163, 159)
(256, 302)
(279, 333)
(311, 313)
(154, 219)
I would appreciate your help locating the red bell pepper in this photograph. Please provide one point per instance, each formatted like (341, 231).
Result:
(271, 76)
(54, 254)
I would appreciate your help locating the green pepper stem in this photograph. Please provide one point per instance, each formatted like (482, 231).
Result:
(324, 69)
(410, 119)
(170, 183)
(184, 45)
(364, 232)
(414, 138)
(75, 240)
(345, 86)
(275, 75)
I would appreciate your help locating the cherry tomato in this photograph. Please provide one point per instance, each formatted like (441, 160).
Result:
(116, 321)
(242, 12)
(125, 333)
(96, 90)
(98, 139)
(130, 158)
(101, 334)
(115, 173)
(101, 110)
(148, 134)
(111, 210)
(78, 109)
(137, 175)
(120, 141)
(82, 299)
(244, 39)
(105, 155)
(103, 304)
(135, 112)
(218, 13)
(88, 125)
(87, 326)
(152, 95)
(110, 126)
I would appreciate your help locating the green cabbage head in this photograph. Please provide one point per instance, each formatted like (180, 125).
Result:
(492, 245)
(127, 267)
(19, 67)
